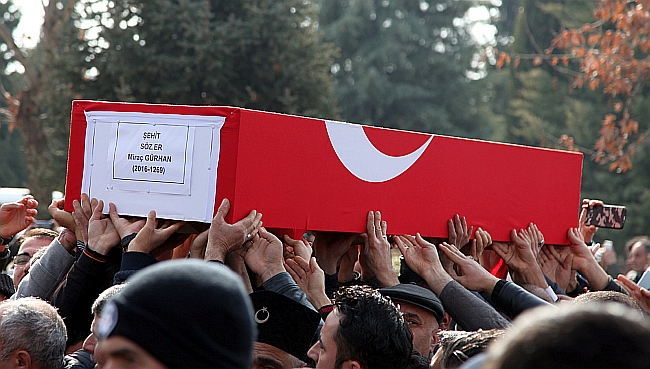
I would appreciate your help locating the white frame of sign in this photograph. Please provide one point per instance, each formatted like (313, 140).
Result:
(145, 161)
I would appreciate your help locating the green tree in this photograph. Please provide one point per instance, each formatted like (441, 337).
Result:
(12, 160)
(258, 54)
(409, 64)
(546, 109)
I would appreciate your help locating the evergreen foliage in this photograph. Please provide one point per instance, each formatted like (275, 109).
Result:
(408, 64)
(257, 54)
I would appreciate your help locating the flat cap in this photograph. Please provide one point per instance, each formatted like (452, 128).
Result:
(416, 295)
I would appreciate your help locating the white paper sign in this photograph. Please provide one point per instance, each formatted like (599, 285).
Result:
(145, 161)
(153, 153)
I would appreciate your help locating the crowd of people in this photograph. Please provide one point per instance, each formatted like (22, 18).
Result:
(110, 291)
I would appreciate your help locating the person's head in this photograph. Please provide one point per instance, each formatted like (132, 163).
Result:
(286, 330)
(423, 312)
(178, 314)
(32, 335)
(364, 331)
(589, 336)
(456, 347)
(33, 240)
(98, 306)
(638, 253)
(607, 296)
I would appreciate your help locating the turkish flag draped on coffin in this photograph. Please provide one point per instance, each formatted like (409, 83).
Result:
(310, 174)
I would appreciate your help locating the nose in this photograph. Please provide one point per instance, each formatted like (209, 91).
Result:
(89, 343)
(313, 352)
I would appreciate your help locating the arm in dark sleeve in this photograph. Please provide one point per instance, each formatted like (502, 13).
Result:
(613, 286)
(554, 286)
(582, 284)
(469, 312)
(512, 299)
(331, 284)
(132, 262)
(85, 282)
(283, 284)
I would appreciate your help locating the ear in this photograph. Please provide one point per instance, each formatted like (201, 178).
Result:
(20, 359)
(351, 364)
(434, 341)
(446, 322)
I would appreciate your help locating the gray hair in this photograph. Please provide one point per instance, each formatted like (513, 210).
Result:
(34, 326)
(104, 297)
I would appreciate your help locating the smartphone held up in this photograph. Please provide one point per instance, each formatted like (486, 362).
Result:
(606, 216)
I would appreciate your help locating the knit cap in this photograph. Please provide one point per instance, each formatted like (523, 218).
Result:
(185, 313)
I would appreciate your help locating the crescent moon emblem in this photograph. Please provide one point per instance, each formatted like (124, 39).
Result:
(362, 158)
(264, 315)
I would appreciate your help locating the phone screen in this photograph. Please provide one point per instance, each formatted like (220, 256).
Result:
(606, 216)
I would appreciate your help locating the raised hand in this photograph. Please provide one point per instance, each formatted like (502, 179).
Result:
(556, 264)
(638, 293)
(67, 239)
(311, 279)
(197, 249)
(224, 238)
(536, 238)
(587, 231)
(125, 226)
(61, 216)
(422, 257)
(346, 267)
(520, 258)
(81, 214)
(102, 236)
(264, 255)
(472, 275)
(584, 261)
(376, 254)
(152, 239)
(459, 233)
(481, 241)
(329, 248)
(300, 247)
(16, 216)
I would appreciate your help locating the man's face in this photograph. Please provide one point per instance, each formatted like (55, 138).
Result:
(423, 326)
(637, 259)
(324, 351)
(117, 352)
(266, 356)
(91, 341)
(27, 250)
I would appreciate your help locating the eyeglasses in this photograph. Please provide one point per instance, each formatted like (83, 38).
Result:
(21, 260)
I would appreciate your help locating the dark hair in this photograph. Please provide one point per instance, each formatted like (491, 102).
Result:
(458, 346)
(589, 336)
(371, 330)
(39, 233)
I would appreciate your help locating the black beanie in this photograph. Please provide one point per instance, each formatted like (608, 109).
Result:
(187, 314)
(284, 323)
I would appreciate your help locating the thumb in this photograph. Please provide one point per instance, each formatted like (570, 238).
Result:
(223, 210)
(151, 220)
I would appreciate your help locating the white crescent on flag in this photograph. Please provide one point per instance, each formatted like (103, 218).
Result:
(362, 158)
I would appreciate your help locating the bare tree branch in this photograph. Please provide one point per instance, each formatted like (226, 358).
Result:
(32, 73)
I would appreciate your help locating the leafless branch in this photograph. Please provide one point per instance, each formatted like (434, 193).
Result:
(32, 73)
(545, 57)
